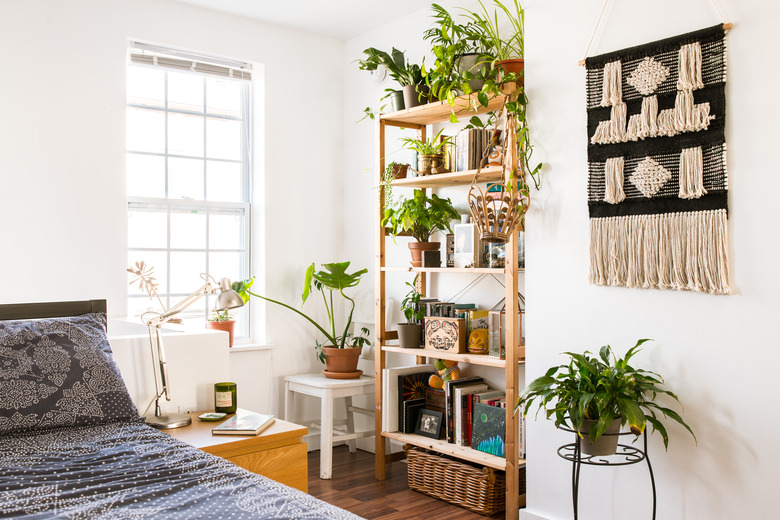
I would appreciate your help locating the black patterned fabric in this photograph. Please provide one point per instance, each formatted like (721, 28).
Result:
(127, 470)
(59, 372)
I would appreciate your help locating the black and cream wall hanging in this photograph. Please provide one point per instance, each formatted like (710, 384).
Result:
(657, 187)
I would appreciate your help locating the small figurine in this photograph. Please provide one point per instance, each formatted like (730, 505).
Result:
(447, 370)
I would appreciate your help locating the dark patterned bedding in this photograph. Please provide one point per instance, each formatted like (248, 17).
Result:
(129, 471)
(72, 444)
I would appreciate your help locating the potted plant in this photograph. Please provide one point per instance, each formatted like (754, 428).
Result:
(222, 320)
(410, 333)
(342, 349)
(420, 216)
(392, 172)
(430, 153)
(593, 394)
(507, 49)
(407, 75)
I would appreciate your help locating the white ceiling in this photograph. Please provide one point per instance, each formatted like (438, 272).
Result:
(340, 19)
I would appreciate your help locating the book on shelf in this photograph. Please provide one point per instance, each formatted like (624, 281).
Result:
(434, 399)
(390, 405)
(449, 414)
(461, 399)
(489, 430)
(410, 412)
(244, 423)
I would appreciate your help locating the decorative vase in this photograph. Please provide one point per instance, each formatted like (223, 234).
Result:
(397, 100)
(430, 164)
(225, 326)
(604, 445)
(409, 335)
(416, 249)
(341, 363)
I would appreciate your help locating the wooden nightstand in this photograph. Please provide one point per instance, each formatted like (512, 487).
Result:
(277, 453)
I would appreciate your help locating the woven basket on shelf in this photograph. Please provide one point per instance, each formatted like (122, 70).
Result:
(480, 490)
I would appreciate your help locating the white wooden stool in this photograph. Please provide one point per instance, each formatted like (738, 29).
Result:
(327, 390)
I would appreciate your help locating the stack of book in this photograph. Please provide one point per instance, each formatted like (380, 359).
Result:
(472, 145)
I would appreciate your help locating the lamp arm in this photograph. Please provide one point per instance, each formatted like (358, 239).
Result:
(207, 288)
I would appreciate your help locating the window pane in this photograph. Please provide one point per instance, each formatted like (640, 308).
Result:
(185, 178)
(223, 181)
(185, 135)
(185, 91)
(145, 175)
(223, 96)
(223, 139)
(225, 231)
(188, 230)
(145, 86)
(225, 265)
(145, 130)
(185, 271)
(156, 260)
(147, 228)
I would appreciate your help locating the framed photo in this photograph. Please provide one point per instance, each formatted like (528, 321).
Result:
(429, 423)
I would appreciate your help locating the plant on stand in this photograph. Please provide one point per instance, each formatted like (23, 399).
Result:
(410, 333)
(597, 395)
(420, 217)
(342, 348)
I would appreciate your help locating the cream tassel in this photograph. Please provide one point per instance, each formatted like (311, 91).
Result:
(618, 122)
(689, 75)
(649, 117)
(612, 87)
(613, 180)
(683, 109)
(691, 173)
(686, 251)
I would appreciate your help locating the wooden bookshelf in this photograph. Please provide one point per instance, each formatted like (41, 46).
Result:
(474, 359)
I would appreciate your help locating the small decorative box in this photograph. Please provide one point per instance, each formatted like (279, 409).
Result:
(445, 334)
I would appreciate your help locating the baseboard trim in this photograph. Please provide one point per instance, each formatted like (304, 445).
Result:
(525, 515)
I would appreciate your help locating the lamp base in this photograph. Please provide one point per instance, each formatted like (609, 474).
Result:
(169, 421)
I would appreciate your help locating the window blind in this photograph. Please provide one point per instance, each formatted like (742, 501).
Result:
(155, 55)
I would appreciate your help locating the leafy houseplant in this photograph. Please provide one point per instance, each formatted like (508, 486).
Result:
(430, 153)
(410, 333)
(420, 216)
(333, 278)
(392, 172)
(590, 393)
(408, 76)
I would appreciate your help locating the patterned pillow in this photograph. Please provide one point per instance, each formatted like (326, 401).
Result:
(59, 372)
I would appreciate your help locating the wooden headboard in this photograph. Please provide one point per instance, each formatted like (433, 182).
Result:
(21, 311)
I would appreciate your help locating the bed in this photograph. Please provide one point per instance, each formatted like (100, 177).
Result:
(73, 446)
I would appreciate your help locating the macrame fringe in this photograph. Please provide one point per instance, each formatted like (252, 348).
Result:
(682, 251)
(614, 129)
(612, 90)
(691, 173)
(645, 123)
(689, 76)
(613, 176)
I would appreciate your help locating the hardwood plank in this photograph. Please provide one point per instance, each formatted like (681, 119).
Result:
(354, 488)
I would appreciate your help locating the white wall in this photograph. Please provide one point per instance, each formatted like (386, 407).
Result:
(717, 353)
(62, 139)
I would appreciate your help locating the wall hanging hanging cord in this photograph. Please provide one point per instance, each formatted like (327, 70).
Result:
(726, 27)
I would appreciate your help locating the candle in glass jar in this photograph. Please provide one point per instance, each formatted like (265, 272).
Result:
(225, 398)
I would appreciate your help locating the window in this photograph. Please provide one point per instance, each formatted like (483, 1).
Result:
(188, 173)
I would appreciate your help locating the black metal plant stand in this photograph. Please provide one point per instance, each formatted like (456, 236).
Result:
(626, 455)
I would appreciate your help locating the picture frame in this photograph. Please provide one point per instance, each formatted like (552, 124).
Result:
(429, 423)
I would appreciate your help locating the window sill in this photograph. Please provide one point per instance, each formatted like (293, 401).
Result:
(250, 347)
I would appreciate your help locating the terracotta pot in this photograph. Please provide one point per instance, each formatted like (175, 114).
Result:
(604, 445)
(504, 67)
(428, 164)
(416, 248)
(226, 326)
(409, 335)
(341, 363)
(400, 170)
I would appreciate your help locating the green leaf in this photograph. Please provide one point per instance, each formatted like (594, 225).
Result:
(453, 118)
(483, 99)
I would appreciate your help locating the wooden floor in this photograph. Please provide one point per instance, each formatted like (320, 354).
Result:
(354, 488)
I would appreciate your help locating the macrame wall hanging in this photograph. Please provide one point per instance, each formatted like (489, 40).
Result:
(657, 186)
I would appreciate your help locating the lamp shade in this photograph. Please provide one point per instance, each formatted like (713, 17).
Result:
(227, 297)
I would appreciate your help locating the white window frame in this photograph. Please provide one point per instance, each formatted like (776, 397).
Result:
(169, 205)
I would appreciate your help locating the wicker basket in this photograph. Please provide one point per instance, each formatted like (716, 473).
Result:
(480, 490)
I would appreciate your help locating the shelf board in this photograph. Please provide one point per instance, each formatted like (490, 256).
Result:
(470, 270)
(474, 359)
(488, 174)
(442, 446)
(439, 111)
